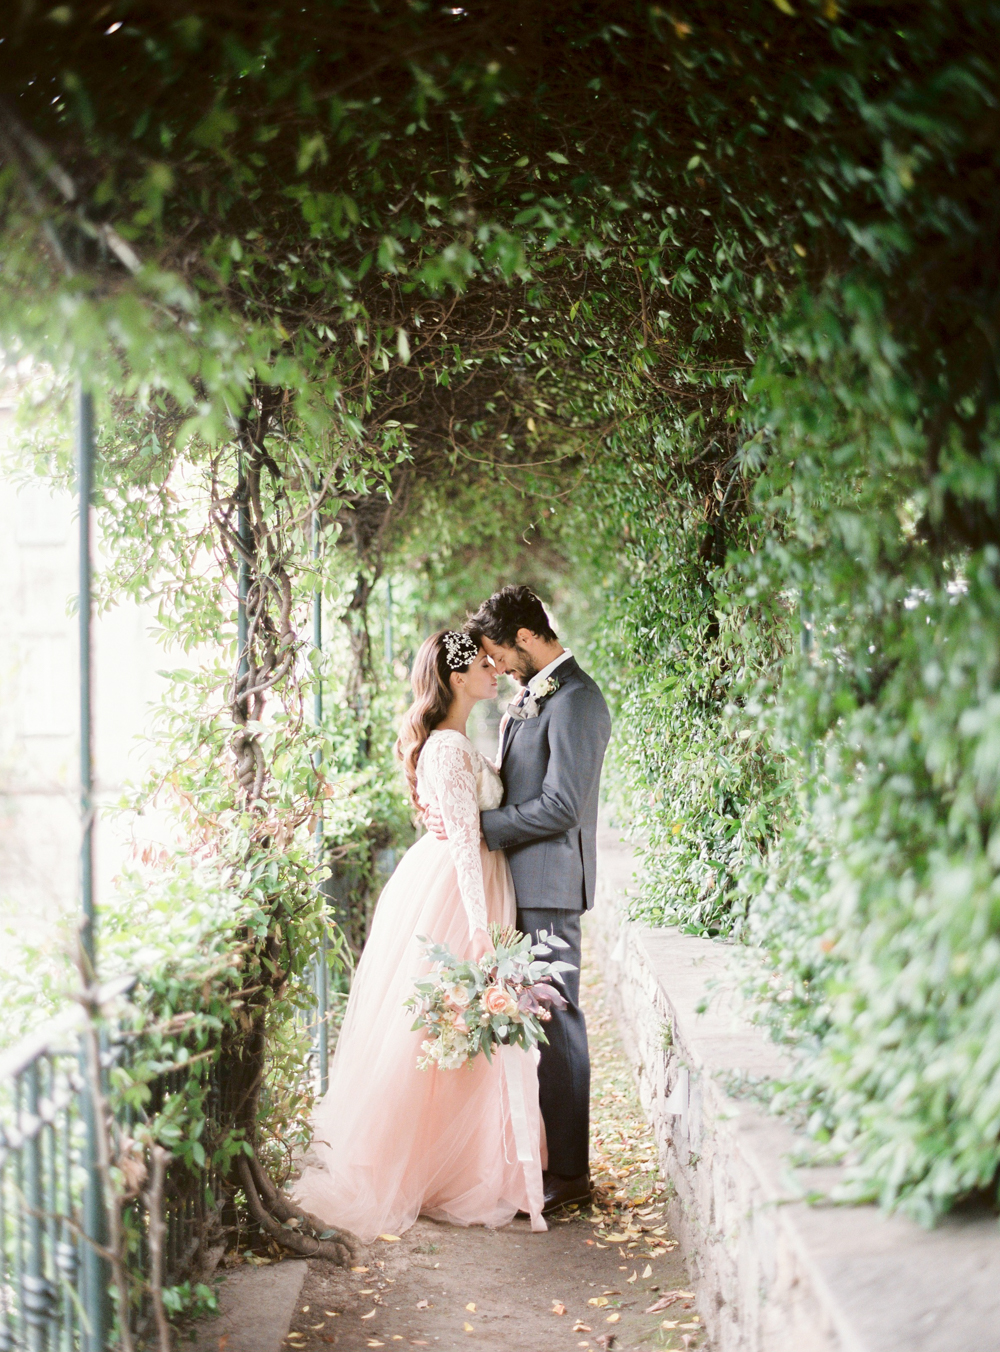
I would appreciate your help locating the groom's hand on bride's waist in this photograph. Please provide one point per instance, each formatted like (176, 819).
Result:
(434, 823)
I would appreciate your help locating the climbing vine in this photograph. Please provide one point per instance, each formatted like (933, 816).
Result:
(690, 316)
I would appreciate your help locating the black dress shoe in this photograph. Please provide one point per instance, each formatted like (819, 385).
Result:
(560, 1192)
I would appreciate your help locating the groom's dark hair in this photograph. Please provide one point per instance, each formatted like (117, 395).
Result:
(507, 611)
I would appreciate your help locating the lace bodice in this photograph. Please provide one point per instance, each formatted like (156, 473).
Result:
(460, 782)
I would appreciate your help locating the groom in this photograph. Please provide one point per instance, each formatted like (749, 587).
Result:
(552, 743)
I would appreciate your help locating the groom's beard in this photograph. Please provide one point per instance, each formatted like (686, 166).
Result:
(525, 668)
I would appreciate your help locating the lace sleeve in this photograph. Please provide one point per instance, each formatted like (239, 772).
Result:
(452, 777)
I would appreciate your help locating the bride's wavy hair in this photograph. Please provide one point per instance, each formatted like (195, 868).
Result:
(432, 697)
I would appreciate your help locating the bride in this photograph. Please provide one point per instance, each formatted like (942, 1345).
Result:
(395, 1142)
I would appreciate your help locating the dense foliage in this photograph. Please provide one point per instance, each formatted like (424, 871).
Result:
(692, 315)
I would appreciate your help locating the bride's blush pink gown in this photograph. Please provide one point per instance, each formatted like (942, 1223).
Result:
(395, 1142)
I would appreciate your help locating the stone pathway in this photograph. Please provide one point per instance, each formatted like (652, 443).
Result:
(587, 1284)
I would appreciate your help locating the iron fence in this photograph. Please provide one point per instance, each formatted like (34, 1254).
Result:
(54, 1278)
(44, 1302)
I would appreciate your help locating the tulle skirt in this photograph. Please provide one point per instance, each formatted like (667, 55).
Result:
(394, 1142)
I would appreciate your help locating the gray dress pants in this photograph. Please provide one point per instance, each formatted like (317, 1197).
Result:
(564, 1069)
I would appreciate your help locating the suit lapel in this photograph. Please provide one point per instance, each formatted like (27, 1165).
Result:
(508, 736)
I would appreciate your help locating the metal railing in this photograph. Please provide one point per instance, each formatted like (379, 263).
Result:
(43, 1303)
(54, 1277)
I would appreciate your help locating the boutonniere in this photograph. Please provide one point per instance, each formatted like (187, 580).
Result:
(544, 688)
(531, 707)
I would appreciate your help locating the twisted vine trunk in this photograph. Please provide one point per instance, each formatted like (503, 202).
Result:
(258, 542)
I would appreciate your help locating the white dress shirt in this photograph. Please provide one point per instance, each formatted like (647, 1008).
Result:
(530, 689)
(545, 672)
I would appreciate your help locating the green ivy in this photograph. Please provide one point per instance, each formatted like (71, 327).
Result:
(689, 316)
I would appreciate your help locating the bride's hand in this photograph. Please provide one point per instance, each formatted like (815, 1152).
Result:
(481, 944)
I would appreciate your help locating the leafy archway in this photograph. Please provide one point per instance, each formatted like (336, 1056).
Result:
(703, 302)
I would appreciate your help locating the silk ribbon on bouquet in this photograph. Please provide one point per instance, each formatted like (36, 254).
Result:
(522, 1135)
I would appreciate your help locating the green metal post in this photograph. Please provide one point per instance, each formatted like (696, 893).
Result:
(322, 975)
(96, 1275)
(806, 648)
(805, 630)
(33, 1280)
(8, 1261)
(85, 481)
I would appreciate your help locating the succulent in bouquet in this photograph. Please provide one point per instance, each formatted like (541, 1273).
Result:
(502, 1000)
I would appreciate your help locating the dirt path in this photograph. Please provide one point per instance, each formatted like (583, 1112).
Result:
(587, 1284)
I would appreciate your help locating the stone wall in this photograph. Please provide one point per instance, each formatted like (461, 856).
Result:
(773, 1273)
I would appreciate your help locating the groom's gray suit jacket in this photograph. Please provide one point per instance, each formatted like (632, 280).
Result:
(551, 771)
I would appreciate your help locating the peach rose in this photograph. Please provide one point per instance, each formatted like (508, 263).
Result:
(495, 1001)
(457, 996)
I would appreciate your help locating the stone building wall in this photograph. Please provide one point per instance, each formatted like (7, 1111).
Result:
(39, 698)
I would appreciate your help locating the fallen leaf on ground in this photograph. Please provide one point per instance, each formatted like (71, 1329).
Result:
(471, 1307)
(634, 1277)
(370, 1315)
(368, 1291)
(598, 1300)
(581, 1328)
(375, 1343)
(613, 1318)
(467, 1327)
(390, 1239)
(647, 1273)
(558, 1307)
(665, 1301)
(423, 1305)
(359, 1269)
(605, 1340)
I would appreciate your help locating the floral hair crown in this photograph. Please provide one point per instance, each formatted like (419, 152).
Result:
(460, 651)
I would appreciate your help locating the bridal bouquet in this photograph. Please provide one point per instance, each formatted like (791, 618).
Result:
(502, 1000)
